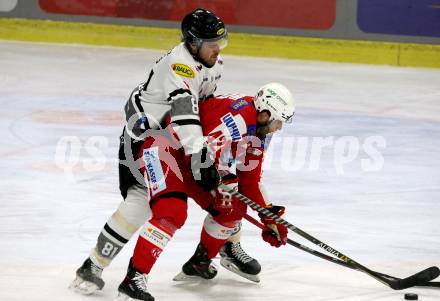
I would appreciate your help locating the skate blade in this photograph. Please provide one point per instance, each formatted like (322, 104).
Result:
(122, 297)
(234, 269)
(83, 287)
(184, 277)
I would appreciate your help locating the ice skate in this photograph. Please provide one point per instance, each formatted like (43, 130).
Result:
(134, 286)
(235, 259)
(88, 278)
(199, 266)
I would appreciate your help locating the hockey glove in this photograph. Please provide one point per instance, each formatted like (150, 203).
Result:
(203, 170)
(224, 201)
(274, 233)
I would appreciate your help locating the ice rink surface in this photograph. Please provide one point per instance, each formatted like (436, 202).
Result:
(55, 200)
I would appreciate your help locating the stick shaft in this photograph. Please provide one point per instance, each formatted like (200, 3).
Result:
(301, 246)
(307, 236)
(333, 259)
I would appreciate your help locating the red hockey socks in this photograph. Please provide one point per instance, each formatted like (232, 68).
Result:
(214, 235)
(151, 242)
(169, 214)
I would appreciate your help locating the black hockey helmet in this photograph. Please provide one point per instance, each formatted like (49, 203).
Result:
(201, 25)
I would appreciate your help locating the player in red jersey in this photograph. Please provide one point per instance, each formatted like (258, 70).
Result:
(240, 165)
(232, 126)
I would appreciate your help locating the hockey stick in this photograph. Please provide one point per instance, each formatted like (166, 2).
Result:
(394, 283)
(327, 257)
(301, 246)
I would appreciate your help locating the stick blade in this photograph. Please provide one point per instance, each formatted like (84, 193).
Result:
(420, 278)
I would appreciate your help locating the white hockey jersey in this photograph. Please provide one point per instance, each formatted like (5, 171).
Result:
(176, 83)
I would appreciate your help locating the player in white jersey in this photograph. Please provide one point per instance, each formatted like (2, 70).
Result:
(176, 83)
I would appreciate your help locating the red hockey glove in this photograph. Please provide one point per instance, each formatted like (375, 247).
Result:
(274, 233)
(224, 202)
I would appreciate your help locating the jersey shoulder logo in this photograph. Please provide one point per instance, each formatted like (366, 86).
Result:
(183, 70)
(239, 104)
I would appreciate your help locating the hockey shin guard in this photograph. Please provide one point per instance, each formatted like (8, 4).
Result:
(120, 227)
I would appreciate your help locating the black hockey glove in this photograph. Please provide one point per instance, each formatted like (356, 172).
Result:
(203, 170)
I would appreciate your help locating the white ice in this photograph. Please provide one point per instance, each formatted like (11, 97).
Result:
(386, 219)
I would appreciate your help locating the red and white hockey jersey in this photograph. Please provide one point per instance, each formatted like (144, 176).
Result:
(229, 125)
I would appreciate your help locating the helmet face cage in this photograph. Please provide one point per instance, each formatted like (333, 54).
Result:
(287, 118)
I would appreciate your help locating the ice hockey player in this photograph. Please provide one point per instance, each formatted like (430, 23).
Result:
(172, 176)
(187, 74)
(273, 106)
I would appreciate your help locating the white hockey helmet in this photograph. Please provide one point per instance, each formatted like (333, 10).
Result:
(277, 100)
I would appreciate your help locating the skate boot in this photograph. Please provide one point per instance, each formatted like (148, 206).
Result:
(198, 266)
(134, 286)
(88, 278)
(235, 259)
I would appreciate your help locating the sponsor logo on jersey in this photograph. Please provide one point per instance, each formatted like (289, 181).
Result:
(239, 104)
(183, 70)
(153, 168)
(229, 121)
